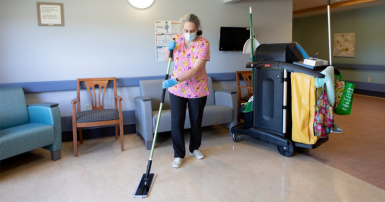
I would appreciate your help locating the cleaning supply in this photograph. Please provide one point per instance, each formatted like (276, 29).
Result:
(329, 81)
(323, 118)
(345, 105)
(147, 180)
(315, 62)
(303, 100)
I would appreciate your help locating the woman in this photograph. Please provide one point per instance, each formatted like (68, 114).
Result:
(188, 84)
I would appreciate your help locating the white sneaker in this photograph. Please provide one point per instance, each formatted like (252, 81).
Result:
(197, 154)
(177, 162)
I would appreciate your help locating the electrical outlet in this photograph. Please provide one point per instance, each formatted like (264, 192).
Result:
(369, 79)
(87, 106)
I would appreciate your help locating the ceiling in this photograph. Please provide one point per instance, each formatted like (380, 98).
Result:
(303, 8)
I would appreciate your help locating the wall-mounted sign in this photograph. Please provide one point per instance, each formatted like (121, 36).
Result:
(164, 30)
(50, 14)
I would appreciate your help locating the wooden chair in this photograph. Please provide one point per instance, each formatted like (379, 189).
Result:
(98, 116)
(243, 96)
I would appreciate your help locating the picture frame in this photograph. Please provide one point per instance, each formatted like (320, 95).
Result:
(50, 14)
(344, 45)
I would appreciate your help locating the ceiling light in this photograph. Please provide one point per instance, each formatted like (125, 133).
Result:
(141, 4)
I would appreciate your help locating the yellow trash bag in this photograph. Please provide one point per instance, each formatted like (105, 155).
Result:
(303, 92)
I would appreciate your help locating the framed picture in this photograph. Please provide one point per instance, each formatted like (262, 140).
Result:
(344, 44)
(50, 14)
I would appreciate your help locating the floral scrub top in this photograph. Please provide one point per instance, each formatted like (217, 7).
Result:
(184, 59)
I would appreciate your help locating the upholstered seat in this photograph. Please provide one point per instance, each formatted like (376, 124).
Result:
(212, 115)
(13, 139)
(97, 115)
(221, 108)
(24, 128)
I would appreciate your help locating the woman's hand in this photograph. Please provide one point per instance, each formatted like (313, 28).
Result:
(169, 83)
(171, 45)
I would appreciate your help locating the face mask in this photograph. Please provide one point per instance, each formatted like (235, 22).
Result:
(190, 37)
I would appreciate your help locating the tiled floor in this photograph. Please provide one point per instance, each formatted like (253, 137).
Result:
(244, 171)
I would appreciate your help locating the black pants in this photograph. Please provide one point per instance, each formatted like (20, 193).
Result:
(178, 115)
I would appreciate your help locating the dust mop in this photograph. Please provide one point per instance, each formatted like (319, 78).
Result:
(145, 184)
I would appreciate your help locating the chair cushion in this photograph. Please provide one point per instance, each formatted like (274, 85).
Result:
(212, 115)
(153, 89)
(24, 138)
(97, 115)
(13, 108)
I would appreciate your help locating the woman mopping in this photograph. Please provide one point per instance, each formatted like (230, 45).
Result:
(188, 85)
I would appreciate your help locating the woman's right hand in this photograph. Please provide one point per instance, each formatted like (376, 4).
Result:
(169, 83)
(171, 45)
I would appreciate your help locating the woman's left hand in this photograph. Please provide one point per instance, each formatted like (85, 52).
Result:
(169, 83)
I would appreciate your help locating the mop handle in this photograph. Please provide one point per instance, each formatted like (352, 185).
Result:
(330, 40)
(252, 40)
(161, 104)
(251, 34)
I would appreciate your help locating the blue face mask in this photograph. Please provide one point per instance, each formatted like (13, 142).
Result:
(190, 37)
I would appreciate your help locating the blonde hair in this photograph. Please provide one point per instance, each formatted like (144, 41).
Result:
(191, 18)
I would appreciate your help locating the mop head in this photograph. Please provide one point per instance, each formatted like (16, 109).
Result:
(143, 189)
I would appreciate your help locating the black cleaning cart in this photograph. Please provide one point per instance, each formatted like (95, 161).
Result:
(270, 120)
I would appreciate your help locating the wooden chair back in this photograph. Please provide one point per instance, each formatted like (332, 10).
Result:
(96, 88)
(247, 77)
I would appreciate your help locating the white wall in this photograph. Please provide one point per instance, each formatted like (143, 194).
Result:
(111, 38)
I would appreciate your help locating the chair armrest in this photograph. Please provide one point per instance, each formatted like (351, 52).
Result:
(119, 98)
(48, 114)
(143, 117)
(75, 100)
(144, 98)
(225, 98)
(45, 104)
(228, 99)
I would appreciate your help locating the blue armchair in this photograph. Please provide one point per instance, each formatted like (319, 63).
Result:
(24, 128)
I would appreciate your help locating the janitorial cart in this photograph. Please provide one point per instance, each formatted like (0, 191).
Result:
(271, 117)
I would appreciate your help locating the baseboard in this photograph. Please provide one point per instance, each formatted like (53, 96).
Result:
(370, 93)
(98, 132)
(366, 88)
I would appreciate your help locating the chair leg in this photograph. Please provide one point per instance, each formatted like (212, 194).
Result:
(80, 135)
(121, 135)
(148, 144)
(75, 139)
(55, 155)
(116, 131)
